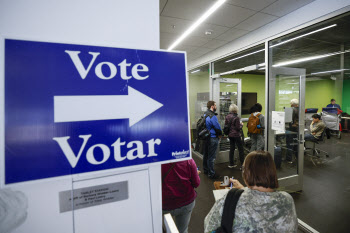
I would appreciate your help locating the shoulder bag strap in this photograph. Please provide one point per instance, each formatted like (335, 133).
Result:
(167, 173)
(228, 214)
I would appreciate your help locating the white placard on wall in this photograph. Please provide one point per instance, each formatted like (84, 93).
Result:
(278, 122)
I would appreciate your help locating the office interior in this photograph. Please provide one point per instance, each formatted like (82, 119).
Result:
(312, 65)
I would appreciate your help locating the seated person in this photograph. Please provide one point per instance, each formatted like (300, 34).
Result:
(333, 104)
(260, 208)
(316, 128)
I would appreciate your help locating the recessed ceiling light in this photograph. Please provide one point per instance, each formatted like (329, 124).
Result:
(208, 32)
(309, 58)
(197, 23)
(195, 71)
(329, 71)
(236, 58)
(301, 36)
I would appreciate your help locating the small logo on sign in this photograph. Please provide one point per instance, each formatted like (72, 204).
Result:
(180, 154)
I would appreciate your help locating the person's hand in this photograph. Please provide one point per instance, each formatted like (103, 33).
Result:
(199, 172)
(236, 184)
(312, 123)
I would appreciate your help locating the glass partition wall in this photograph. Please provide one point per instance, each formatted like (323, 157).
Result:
(241, 78)
(198, 98)
(304, 71)
(310, 66)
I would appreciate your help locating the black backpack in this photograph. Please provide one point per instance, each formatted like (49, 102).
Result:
(228, 214)
(202, 132)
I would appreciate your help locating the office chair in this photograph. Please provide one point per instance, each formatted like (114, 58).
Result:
(315, 151)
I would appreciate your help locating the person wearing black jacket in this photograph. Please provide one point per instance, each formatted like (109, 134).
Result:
(234, 135)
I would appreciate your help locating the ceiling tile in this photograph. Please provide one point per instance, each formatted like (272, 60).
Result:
(161, 5)
(283, 7)
(229, 15)
(195, 41)
(216, 30)
(232, 34)
(256, 5)
(166, 24)
(186, 48)
(166, 39)
(214, 44)
(201, 51)
(186, 9)
(256, 21)
(181, 25)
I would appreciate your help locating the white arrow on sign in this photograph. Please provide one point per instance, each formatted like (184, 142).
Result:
(135, 106)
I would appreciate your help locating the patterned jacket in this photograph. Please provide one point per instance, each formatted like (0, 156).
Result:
(257, 212)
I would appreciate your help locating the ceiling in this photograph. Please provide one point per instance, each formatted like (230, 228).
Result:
(331, 40)
(231, 21)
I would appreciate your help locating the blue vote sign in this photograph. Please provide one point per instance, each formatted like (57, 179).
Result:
(72, 109)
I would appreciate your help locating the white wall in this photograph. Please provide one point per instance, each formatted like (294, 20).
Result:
(292, 21)
(114, 23)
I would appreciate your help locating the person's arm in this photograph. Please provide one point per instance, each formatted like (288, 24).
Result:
(215, 122)
(195, 180)
(216, 126)
(317, 128)
(213, 220)
(262, 121)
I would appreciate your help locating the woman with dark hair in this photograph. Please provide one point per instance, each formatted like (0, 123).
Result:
(260, 208)
(256, 126)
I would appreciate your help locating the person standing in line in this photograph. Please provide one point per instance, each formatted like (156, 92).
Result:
(212, 143)
(178, 195)
(333, 104)
(234, 135)
(256, 126)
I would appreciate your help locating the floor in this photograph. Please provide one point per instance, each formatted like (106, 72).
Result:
(324, 203)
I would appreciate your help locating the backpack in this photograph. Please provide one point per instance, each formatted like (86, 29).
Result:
(202, 132)
(228, 215)
(253, 122)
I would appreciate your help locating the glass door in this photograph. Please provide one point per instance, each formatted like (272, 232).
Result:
(226, 91)
(286, 125)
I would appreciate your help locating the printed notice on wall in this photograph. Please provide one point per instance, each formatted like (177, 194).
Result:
(278, 122)
(92, 196)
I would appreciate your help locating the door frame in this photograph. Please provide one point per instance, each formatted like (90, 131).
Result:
(294, 182)
(216, 91)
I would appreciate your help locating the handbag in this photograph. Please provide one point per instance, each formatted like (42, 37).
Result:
(228, 214)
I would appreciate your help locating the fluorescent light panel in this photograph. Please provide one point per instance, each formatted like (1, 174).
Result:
(309, 58)
(197, 23)
(298, 37)
(245, 55)
(195, 71)
(329, 71)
